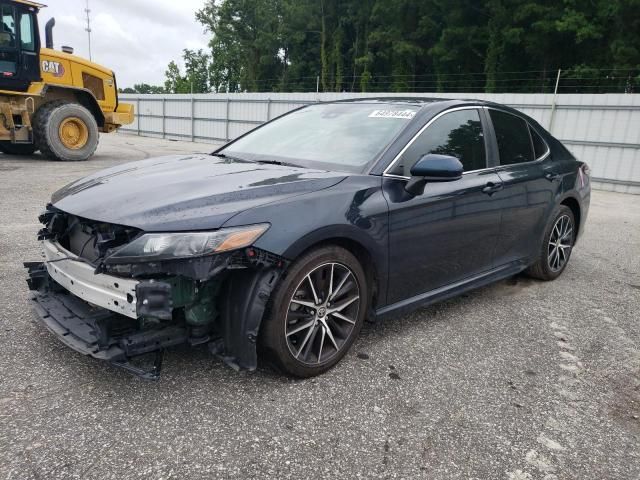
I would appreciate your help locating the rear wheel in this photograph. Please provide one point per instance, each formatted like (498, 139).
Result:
(316, 312)
(556, 246)
(17, 148)
(65, 131)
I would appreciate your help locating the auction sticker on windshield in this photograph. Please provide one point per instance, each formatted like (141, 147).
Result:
(392, 114)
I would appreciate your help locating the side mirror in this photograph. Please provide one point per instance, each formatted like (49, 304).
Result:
(433, 168)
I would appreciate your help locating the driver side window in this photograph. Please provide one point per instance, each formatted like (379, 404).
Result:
(457, 133)
(7, 27)
(8, 52)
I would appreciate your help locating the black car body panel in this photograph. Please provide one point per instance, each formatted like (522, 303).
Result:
(188, 192)
(417, 249)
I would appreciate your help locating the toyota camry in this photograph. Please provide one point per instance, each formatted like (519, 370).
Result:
(279, 245)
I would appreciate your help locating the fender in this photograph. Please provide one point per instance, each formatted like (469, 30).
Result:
(351, 236)
(86, 98)
(583, 207)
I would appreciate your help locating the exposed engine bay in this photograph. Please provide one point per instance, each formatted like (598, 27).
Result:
(114, 309)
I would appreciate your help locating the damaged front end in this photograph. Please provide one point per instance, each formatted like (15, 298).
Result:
(116, 293)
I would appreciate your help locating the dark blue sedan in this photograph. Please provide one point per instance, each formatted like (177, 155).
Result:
(282, 242)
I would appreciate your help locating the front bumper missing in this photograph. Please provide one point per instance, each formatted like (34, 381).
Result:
(95, 331)
(106, 291)
(85, 310)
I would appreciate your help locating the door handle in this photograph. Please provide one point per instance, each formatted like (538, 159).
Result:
(492, 187)
(551, 176)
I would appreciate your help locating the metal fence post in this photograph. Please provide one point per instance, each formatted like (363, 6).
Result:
(226, 122)
(268, 109)
(138, 113)
(163, 117)
(553, 103)
(192, 119)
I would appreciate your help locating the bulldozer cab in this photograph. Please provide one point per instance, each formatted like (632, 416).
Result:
(19, 45)
(52, 101)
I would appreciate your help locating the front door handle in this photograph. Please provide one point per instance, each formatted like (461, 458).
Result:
(551, 176)
(492, 187)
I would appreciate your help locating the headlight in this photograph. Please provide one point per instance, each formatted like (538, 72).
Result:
(168, 246)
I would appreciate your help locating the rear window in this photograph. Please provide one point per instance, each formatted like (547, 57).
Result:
(512, 135)
(539, 147)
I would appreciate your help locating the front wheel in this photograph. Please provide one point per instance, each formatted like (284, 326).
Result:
(65, 131)
(556, 246)
(316, 312)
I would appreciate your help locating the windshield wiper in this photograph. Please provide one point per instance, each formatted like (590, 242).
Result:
(230, 157)
(267, 162)
(276, 162)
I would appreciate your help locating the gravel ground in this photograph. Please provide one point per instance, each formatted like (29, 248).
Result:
(519, 380)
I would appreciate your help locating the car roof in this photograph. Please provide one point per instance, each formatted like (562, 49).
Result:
(392, 100)
(422, 101)
(432, 103)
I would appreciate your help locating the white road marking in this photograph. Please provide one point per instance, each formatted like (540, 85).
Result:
(569, 357)
(519, 475)
(557, 326)
(550, 443)
(539, 461)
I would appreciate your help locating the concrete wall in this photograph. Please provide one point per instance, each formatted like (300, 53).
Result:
(601, 129)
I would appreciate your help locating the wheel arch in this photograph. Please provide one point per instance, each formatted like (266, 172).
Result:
(573, 203)
(357, 243)
(247, 295)
(80, 95)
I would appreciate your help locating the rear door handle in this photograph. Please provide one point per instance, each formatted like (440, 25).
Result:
(551, 176)
(492, 187)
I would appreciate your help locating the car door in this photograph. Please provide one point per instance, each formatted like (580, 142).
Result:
(529, 184)
(448, 233)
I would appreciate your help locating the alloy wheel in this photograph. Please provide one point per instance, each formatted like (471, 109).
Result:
(322, 313)
(560, 243)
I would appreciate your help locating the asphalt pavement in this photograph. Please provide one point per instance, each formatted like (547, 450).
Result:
(519, 380)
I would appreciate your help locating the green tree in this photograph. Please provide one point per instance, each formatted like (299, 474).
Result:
(146, 88)
(175, 82)
(246, 50)
(415, 45)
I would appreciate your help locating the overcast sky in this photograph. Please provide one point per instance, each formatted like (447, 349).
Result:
(135, 38)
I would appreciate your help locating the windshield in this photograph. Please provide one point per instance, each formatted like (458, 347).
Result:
(335, 136)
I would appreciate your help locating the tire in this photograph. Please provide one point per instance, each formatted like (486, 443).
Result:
(550, 265)
(306, 352)
(65, 131)
(17, 148)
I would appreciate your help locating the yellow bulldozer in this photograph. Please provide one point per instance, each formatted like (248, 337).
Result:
(51, 100)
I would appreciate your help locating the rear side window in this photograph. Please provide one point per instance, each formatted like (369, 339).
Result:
(458, 134)
(539, 147)
(512, 135)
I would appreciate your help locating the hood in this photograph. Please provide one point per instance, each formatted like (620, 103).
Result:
(185, 192)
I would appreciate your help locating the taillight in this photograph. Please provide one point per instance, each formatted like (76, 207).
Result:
(585, 169)
(583, 173)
